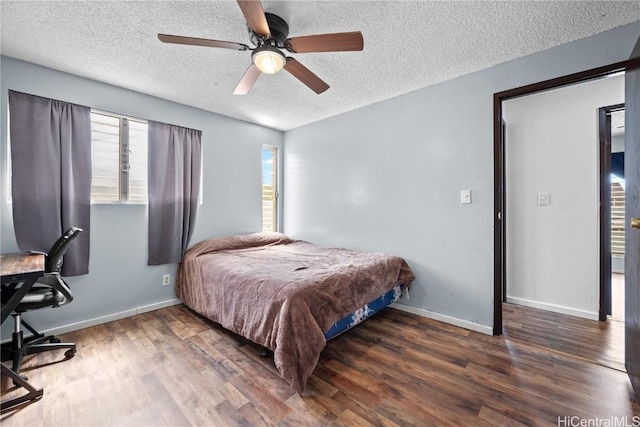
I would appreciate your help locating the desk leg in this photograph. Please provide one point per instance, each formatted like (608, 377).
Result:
(8, 308)
(33, 394)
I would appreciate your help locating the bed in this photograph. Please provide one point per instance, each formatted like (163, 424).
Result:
(287, 295)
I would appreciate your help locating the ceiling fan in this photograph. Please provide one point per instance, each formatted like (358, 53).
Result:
(268, 33)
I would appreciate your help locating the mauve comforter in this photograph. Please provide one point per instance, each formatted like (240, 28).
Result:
(283, 294)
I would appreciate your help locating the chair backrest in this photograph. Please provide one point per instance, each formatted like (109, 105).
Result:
(53, 262)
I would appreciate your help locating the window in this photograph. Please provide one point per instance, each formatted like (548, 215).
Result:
(119, 159)
(269, 188)
(617, 217)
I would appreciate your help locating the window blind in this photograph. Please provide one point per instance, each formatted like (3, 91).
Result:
(105, 157)
(617, 218)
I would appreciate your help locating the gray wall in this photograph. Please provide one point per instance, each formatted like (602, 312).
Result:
(387, 177)
(120, 281)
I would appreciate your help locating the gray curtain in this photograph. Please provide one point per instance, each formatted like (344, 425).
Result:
(51, 175)
(174, 186)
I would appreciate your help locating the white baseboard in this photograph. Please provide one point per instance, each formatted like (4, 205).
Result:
(58, 330)
(488, 330)
(555, 308)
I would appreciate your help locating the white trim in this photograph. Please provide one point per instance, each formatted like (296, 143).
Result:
(555, 308)
(118, 115)
(157, 305)
(477, 327)
(58, 330)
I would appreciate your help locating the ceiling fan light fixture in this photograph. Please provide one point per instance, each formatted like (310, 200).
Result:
(268, 59)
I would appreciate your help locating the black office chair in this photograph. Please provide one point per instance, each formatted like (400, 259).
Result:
(48, 291)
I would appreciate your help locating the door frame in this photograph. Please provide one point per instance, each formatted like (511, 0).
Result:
(604, 133)
(499, 214)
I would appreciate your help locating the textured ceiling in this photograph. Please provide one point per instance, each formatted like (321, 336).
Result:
(408, 45)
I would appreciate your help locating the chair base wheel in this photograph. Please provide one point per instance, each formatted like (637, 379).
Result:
(70, 353)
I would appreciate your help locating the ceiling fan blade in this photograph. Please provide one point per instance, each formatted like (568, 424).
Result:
(335, 42)
(254, 14)
(194, 41)
(248, 79)
(305, 75)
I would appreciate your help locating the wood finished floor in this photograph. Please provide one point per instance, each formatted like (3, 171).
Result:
(589, 340)
(172, 367)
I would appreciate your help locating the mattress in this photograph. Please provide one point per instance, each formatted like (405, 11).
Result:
(283, 294)
(364, 312)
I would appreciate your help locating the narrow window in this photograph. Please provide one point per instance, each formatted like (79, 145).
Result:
(119, 159)
(269, 188)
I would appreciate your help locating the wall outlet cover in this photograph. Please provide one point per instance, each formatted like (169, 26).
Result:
(544, 199)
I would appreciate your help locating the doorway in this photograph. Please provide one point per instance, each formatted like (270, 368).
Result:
(553, 189)
(552, 197)
(612, 211)
(631, 67)
(558, 197)
(500, 211)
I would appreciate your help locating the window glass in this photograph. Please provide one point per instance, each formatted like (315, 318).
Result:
(119, 159)
(105, 158)
(269, 189)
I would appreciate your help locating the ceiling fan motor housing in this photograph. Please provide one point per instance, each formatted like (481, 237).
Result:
(279, 32)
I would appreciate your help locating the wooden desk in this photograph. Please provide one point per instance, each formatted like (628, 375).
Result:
(19, 270)
(21, 263)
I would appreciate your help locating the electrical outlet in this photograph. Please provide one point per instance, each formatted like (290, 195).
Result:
(166, 280)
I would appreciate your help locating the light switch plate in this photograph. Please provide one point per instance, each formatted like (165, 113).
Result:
(543, 199)
(465, 196)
